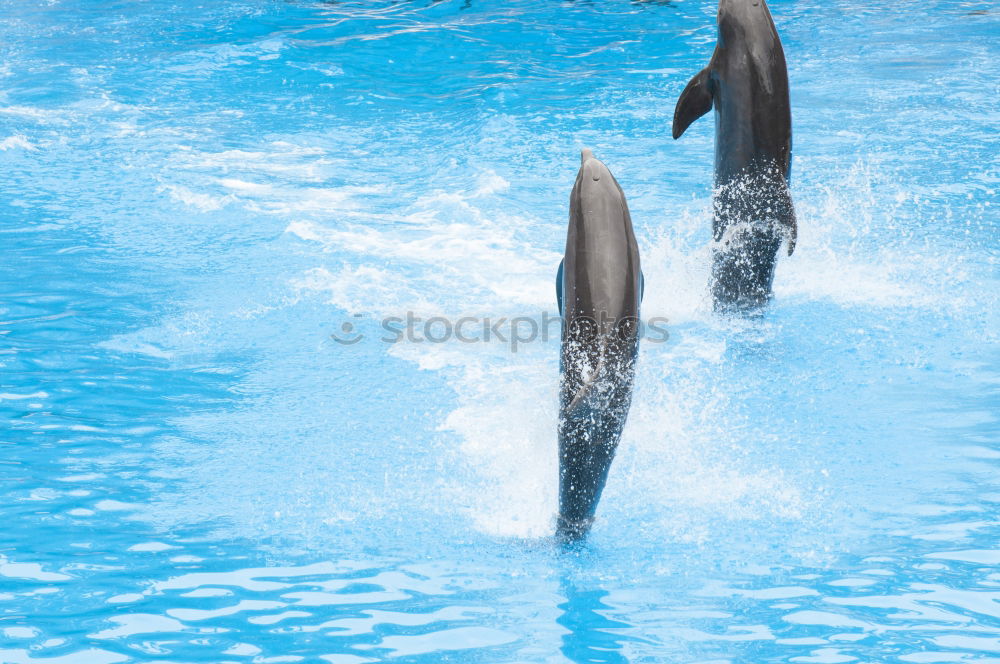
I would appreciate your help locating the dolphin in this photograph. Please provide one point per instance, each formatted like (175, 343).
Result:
(599, 288)
(746, 81)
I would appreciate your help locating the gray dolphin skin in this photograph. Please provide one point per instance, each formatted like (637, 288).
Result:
(599, 288)
(746, 81)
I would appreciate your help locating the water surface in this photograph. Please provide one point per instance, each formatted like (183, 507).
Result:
(195, 197)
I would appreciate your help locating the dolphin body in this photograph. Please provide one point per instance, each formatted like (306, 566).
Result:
(746, 81)
(599, 287)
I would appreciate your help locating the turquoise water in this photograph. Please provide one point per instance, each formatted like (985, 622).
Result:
(195, 196)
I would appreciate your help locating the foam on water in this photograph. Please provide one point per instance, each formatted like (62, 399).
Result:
(456, 253)
(678, 450)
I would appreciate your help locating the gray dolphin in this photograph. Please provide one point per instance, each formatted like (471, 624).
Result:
(747, 82)
(599, 287)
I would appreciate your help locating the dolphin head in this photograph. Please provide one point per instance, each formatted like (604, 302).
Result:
(592, 169)
(731, 7)
(737, 17)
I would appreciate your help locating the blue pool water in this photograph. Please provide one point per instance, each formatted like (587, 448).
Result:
(194, 196)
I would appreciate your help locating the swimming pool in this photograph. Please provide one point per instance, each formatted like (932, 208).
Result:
(198, 197)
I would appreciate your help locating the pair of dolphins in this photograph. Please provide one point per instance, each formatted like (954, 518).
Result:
(599, 284)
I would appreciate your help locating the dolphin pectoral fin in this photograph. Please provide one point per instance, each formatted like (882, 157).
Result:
(559, 285)
(642, 285)
(793, 235)
(580, 405)
(694, 102)
(588, 398)
(791, 227)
